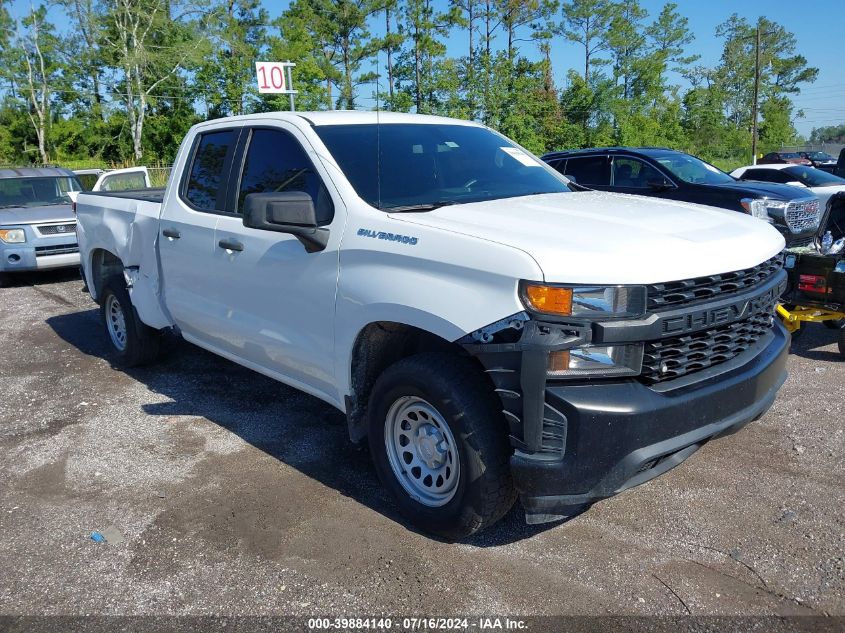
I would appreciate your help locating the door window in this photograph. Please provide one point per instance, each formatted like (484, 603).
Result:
(631, 173)
(206, 185)
(767, 175)
(275, 161)
(589, 171)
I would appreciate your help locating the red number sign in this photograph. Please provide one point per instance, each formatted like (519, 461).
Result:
(271, 77)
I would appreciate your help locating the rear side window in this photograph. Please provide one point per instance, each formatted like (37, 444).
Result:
(589, 171)
(765, 175)
(275, 161)
(124, 182)
(206, 186)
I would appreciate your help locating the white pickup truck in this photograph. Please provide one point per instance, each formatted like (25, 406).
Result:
(492, 332)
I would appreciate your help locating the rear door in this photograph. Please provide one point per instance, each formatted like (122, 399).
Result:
(186, 234)
(280, 298)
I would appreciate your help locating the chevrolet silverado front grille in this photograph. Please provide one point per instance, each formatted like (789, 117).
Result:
(676, 294)
(675, 357)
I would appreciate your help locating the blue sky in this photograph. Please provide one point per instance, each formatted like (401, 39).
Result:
(817, 25)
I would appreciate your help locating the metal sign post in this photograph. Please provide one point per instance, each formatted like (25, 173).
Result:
(276, 78)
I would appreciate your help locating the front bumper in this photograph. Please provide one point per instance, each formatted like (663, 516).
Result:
(578, 441)
(43, 254)
(623, 433)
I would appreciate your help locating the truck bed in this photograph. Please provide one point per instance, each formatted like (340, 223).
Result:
(123, 225)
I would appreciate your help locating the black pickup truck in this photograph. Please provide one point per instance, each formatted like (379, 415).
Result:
(665, 173)
(815, 279)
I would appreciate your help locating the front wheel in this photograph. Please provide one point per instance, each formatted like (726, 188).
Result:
(440, 445)
(132, 342)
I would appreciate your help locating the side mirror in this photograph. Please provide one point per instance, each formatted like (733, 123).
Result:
(571, 178)
(659, 184)
(286, 212)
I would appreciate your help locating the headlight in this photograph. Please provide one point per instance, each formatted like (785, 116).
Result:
(597, 360)
(13, 236)
(759, 207)
(587, 302)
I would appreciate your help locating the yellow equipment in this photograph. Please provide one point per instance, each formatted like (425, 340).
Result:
(793, 317)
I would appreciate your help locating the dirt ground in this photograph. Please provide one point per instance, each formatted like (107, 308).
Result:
(234, 494)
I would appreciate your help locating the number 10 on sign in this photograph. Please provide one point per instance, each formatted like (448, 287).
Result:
(272, 77)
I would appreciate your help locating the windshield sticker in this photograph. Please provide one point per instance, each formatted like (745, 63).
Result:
(390, 237)
(519, 155)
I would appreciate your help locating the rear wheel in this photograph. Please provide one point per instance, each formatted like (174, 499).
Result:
(439, 444)
(842, 341)
(132, 342)
(5, 280)
(834, 325)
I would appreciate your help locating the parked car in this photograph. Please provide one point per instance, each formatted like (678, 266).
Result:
(820, 160)
(37, 224)
(665, 173)
(490, 331)
(114, 179)
(821, 183)
(778, 158)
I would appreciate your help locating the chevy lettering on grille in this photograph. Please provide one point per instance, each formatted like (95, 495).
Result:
(708, 317)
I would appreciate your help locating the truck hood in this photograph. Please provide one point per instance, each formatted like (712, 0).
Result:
(606, 238)
(765, 190)
(37, 215)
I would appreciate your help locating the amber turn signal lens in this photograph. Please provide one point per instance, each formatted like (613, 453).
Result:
(559, 361)
(550, 299)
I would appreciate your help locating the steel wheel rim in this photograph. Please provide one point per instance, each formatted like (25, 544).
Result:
(116, 323)
(422, 451)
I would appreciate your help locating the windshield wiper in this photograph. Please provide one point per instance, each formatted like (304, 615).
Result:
(419, 208)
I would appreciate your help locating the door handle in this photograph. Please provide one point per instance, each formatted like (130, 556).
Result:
(230, 245)
(171, 233)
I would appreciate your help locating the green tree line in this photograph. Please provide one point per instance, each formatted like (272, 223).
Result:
(120, 81)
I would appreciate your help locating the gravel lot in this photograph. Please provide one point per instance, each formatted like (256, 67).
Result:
(237, 495)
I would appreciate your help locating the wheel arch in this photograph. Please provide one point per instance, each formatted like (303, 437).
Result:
(377, 346)
(102, 265)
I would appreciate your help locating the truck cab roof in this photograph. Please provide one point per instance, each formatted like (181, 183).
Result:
(350, 117)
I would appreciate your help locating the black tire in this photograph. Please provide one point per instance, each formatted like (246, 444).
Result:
(842, 342)
(5, 280)
(460, 394)
(834, 325)
(141, 341)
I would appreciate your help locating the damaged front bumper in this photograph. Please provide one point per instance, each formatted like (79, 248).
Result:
(578, 441)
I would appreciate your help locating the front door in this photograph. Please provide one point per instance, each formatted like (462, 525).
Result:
(280, 298)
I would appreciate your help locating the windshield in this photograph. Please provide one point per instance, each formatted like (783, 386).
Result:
(788, 155)
(36, 192)
(819, 156)
(421, 166)
(813, 177)
(694, 170)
